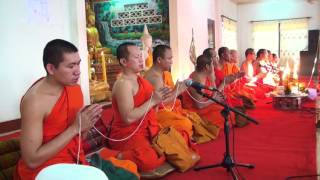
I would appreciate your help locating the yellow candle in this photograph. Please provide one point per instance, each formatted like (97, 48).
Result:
(104, 68)
(89, 66)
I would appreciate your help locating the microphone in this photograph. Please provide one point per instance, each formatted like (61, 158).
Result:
(198, 86)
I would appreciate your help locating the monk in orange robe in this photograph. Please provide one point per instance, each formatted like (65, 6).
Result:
(237, 91)
(51, 111)
(169, 113)
(206, 108)
(222, 81)
(133, 103)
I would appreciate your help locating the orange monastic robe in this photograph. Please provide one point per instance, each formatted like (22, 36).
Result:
(137, 148)
(62, 115)
(237, 88)
(176, 118)
(210, 113)
(230, 68)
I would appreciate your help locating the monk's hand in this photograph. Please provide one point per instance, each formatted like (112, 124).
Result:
(88, 116)
(229, 79)
(181, 86)
(241, 74)
(219, 97)
(161, 95)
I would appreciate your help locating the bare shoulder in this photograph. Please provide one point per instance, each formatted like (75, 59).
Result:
(154, 79)
(37, 104)
(33, 107)
(197, 78)
(121, 86)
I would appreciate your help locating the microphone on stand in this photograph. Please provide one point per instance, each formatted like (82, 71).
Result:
(198, 86)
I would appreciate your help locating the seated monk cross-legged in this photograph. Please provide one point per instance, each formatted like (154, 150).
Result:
(171, 113)
(134, 101)
(50, 113)
(192, 100)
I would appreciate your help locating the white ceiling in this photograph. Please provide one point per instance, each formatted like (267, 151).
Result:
(258, 1)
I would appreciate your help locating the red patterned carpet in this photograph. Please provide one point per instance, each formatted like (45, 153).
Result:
(282, 145)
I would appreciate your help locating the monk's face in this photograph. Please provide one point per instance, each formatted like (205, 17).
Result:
(134, 60)
(68, 71)
(166, 61)
(226, 55)
(210, 68)
(234, 57)
(252, 56)
(214, 57)
(263, 56)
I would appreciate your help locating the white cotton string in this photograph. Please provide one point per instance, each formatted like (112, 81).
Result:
(174, 102)
(138, 127)
(314, 66)
(195, 98)
(79, 140)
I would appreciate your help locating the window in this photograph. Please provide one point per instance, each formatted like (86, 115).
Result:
(293, 38)
(285, 38)
(229, 33)
(266, 36)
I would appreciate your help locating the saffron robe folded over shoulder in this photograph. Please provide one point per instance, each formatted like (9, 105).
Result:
(172, 114)
(184, 120)
(210, 113)
(137, 148)
(62, 115)
(230, 95)
(230, 68)
(236, 90)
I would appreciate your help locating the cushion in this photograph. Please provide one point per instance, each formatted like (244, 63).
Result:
(9, 157)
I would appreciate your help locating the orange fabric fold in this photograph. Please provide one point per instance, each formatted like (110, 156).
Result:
(138, 148)
(177, 117)
(230, 68)
(62, 115)
(210, 113)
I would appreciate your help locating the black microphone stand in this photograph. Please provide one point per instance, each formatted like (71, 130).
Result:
(227, 161)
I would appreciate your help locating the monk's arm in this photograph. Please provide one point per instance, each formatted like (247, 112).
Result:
(157, 84)
(200, 101)
(34, 151)
(155, 81)
(124, 97)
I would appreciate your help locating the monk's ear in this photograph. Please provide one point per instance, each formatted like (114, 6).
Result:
(207, 66)
(123, 61)
(158, 60)
(50, 68)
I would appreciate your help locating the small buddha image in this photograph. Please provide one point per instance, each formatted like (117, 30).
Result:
(146, 40)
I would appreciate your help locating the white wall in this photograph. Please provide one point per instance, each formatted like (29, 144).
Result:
(284, 9)
(23, 36)
(185, 15)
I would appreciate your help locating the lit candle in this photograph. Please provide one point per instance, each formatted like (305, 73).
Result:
(104, 68)
(89, 66)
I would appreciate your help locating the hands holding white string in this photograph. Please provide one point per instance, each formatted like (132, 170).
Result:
(87, 117)
(161, 95)
(181, 86)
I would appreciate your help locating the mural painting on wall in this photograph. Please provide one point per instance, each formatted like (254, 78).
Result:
(121, 21)
(112, 22)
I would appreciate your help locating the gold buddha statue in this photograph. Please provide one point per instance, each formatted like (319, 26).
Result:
(94, 44)
(99, 87)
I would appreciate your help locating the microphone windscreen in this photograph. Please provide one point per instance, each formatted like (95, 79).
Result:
(188, 82)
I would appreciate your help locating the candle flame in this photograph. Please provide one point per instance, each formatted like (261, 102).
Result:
(286, 72)
(296, 69)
